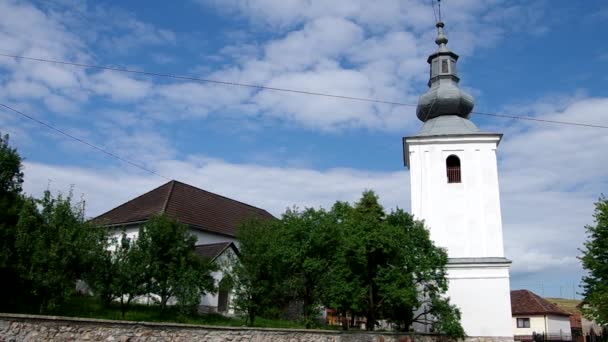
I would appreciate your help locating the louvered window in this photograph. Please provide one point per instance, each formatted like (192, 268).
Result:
(452, 164)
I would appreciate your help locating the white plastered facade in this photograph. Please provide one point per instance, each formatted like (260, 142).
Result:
(553, 325)
(465, 218)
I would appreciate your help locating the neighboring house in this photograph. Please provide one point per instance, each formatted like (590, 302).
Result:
(212, 218)
(592, 331)
(534, 315)
(571, 307)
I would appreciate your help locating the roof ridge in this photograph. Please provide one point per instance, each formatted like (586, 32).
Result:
(164, 209)
(222, 196)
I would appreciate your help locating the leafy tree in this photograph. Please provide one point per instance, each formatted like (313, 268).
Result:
(11, 199)
(256, 275)
(595, 261)
(305, 244)
(170, 266)
(55, 246)
(117, 273)
(358, 260)
(387, 267)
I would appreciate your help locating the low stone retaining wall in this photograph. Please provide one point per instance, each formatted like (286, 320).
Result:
(15, 327)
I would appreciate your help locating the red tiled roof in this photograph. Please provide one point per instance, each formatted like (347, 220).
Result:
(212, 251)
(524, 302)
(190, 205)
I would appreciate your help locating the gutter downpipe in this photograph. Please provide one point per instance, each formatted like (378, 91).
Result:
(546, 328)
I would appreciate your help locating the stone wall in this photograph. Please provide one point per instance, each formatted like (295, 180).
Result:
(14, 327)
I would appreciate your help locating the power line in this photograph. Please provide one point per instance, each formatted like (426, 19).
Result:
(434, 12)
(286, 90)
(64, 133)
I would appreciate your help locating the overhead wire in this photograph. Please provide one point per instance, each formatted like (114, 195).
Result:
(285, 90)
(82, 141)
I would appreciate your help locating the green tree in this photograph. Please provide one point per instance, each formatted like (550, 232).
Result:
(117, 273)
(55, 247)
(11, 199)
(386, 267)
(256, 275)
(595, 262)
(170, 266)
(305, 244)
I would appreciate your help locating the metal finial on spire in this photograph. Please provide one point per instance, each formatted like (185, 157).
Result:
(441, 39)
(439, 9)
(444, 98)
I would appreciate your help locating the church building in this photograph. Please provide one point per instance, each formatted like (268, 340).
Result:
(454, 189)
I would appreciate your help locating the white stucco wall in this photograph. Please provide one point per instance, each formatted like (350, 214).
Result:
(202, 237)
(225, 262)
(465, 218)
(537, 325)
(482, 293)
(547, 324)
(559, 325)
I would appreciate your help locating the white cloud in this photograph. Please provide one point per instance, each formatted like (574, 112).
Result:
(271, 188)
(119, 86)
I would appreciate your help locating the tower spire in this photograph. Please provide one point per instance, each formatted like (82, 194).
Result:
(444, 96)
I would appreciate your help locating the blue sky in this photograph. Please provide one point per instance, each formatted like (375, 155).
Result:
(544, 59)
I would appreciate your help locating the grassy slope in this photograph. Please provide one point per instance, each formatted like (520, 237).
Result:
(568, 305)
(87, 307)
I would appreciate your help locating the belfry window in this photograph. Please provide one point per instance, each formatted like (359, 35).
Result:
(444, 66)
(452, 164)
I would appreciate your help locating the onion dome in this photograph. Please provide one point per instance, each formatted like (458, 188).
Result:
(444, 97)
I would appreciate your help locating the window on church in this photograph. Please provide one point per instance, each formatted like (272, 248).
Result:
(452, 164)
(523, 322)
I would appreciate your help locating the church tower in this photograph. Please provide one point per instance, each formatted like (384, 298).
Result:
(454, 189)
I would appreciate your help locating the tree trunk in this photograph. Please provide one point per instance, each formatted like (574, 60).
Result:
(123, 309)
(371, 319)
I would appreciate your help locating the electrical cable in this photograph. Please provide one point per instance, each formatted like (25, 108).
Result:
(296, 91)
(57, 130)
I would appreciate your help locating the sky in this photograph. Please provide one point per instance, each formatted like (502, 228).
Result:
(543, 59)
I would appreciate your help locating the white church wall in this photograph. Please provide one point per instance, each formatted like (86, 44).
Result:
(209, 301)
(464, 217)
(483, 295)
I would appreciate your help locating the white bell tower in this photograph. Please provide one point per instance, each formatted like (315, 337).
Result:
(454, 189)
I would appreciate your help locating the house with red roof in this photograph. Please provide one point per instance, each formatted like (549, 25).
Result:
(534, 315)
(212, 218)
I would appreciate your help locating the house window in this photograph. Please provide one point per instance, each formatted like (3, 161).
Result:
(452, 164)
(523, 322)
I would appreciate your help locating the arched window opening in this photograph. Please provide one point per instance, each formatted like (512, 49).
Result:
(223, 296)
(452, 164)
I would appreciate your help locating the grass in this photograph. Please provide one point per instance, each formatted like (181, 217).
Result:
(89, 307)
(568, 305)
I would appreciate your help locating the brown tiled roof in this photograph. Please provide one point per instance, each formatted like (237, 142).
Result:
(524, 302)
(190, 205)
(212, 251)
